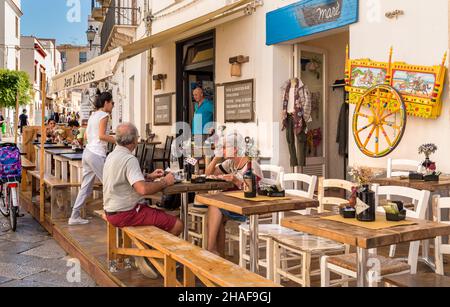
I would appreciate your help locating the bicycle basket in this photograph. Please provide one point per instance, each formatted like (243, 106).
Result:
(10, 163)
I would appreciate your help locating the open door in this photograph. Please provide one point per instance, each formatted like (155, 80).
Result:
(310, 68)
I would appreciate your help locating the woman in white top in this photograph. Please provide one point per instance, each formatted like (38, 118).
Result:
(97, 135)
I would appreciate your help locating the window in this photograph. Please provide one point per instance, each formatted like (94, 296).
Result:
(17, 27)
(83, 57)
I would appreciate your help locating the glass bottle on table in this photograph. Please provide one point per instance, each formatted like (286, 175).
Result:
(250, 190)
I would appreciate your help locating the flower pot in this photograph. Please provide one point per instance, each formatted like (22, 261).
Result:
(366, 211)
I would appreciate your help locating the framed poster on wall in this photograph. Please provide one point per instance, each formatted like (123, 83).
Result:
(239, 101)
(163, 110)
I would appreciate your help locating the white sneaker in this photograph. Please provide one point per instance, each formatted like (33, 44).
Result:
(77, 221)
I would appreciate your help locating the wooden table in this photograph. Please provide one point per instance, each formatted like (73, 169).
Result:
(442, 185)
(49, 155)
(76, 170)
(187, 187)
(47, 146)
(364, 239)
(253, 210)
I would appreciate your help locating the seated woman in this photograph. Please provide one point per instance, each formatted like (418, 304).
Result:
(51, 131)
(232, 169)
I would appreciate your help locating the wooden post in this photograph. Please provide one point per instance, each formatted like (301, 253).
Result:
(16, 120)
(42, 160)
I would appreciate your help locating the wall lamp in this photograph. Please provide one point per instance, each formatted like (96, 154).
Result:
(159, 79)
(236, 63)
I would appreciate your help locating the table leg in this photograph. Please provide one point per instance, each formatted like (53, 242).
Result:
(362, 256)
(73, 179)
(48, 164)
(65, 170)
(184, 215)
(254, 244)
(58, 169)
(38, 160)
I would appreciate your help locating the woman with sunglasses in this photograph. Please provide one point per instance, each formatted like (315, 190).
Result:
(97, 133)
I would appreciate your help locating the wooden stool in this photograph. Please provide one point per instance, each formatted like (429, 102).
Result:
(198, 231)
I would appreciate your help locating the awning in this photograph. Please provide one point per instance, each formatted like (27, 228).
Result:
(146, 43)
(97, 69)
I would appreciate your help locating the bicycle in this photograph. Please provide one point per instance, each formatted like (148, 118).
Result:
(10, 178)
(9, 201)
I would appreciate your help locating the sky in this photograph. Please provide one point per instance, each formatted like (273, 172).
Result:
(64, 20)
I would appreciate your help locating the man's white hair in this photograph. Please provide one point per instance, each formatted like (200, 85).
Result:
(126, 134)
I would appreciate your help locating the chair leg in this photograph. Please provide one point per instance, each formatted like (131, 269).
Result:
(425, 248)
(392, 251)
(413, 256)
(204, 232)
(276, 263)
(242, 248)
(438, 256)
(324, 272)
(269, 258)
(306, 267)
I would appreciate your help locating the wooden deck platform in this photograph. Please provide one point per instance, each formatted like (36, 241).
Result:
(88, 244)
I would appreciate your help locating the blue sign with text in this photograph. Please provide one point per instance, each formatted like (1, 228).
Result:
(309, 17)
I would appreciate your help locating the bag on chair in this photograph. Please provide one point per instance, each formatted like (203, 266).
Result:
(10, 163)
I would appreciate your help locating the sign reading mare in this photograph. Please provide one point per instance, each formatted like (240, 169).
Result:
(308, 17)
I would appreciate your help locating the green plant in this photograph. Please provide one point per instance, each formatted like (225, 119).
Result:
(427, 149)
(11, 83)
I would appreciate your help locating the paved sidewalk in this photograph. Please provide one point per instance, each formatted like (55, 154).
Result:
(31, 258)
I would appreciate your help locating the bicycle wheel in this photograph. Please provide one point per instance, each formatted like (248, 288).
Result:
(4, 209)
(13, 208)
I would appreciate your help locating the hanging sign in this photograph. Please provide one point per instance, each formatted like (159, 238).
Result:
(163, 110)
(309, 17)
(239, 100)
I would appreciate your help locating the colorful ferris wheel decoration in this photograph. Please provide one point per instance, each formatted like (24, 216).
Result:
(384, 94)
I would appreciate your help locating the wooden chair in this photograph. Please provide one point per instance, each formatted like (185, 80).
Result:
(402, 166)
(441, 249)
(147, 158)
(165, 159)
(302, 248)
(267, 232)
(139, 153)
(420, 200)
(346, 265)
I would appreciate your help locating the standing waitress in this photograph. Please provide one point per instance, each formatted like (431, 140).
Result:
(97, 133)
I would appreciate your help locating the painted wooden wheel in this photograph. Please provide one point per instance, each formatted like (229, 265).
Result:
(379, 121)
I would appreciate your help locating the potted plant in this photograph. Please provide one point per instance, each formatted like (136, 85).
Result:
(428, 166)
(365, 200)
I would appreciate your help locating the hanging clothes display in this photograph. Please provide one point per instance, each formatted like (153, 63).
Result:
(297, 105)
(342, 130)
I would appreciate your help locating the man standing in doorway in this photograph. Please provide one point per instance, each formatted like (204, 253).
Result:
(203, 119)
(23, 120)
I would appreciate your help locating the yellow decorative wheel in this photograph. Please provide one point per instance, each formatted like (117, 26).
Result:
(379, 121)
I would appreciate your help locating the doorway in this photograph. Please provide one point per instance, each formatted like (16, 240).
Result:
(195, 68)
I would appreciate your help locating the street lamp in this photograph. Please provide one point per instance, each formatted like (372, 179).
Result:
(90, 33)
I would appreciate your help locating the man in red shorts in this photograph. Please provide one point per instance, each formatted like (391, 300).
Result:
(124, 186)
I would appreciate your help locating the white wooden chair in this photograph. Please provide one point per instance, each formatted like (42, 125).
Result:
(346, 265)
(420, 200)
(266, 231)
(293, 247)
(275, 173)
(441, 249)
(401, 167)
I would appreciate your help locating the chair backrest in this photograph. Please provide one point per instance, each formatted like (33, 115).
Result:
(139, 152)
(419, 198)
(168, 147)
(147, 160)
(311, 181)
(274, 170)
(336, 184)
(402, 166)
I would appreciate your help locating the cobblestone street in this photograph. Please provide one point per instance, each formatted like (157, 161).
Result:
(31, 258)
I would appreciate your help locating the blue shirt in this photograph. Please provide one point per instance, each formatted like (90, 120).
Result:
(203, 118)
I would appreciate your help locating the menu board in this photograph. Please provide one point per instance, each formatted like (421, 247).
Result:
(163, 110)
(239, 100)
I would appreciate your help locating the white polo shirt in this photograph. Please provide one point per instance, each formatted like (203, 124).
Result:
(120, 173)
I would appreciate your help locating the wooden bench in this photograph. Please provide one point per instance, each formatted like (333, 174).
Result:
(27, 166)
(427, 280)
(165, 250)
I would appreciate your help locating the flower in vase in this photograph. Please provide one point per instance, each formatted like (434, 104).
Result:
(362, 175)
(427, 149)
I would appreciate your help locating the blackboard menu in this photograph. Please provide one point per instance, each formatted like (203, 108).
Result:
(163, 110)
(239, 101)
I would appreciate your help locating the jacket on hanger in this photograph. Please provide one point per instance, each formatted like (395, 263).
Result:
(302, 106)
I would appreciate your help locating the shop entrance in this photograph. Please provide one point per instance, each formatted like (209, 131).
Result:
(320, 64)
(195, 68)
